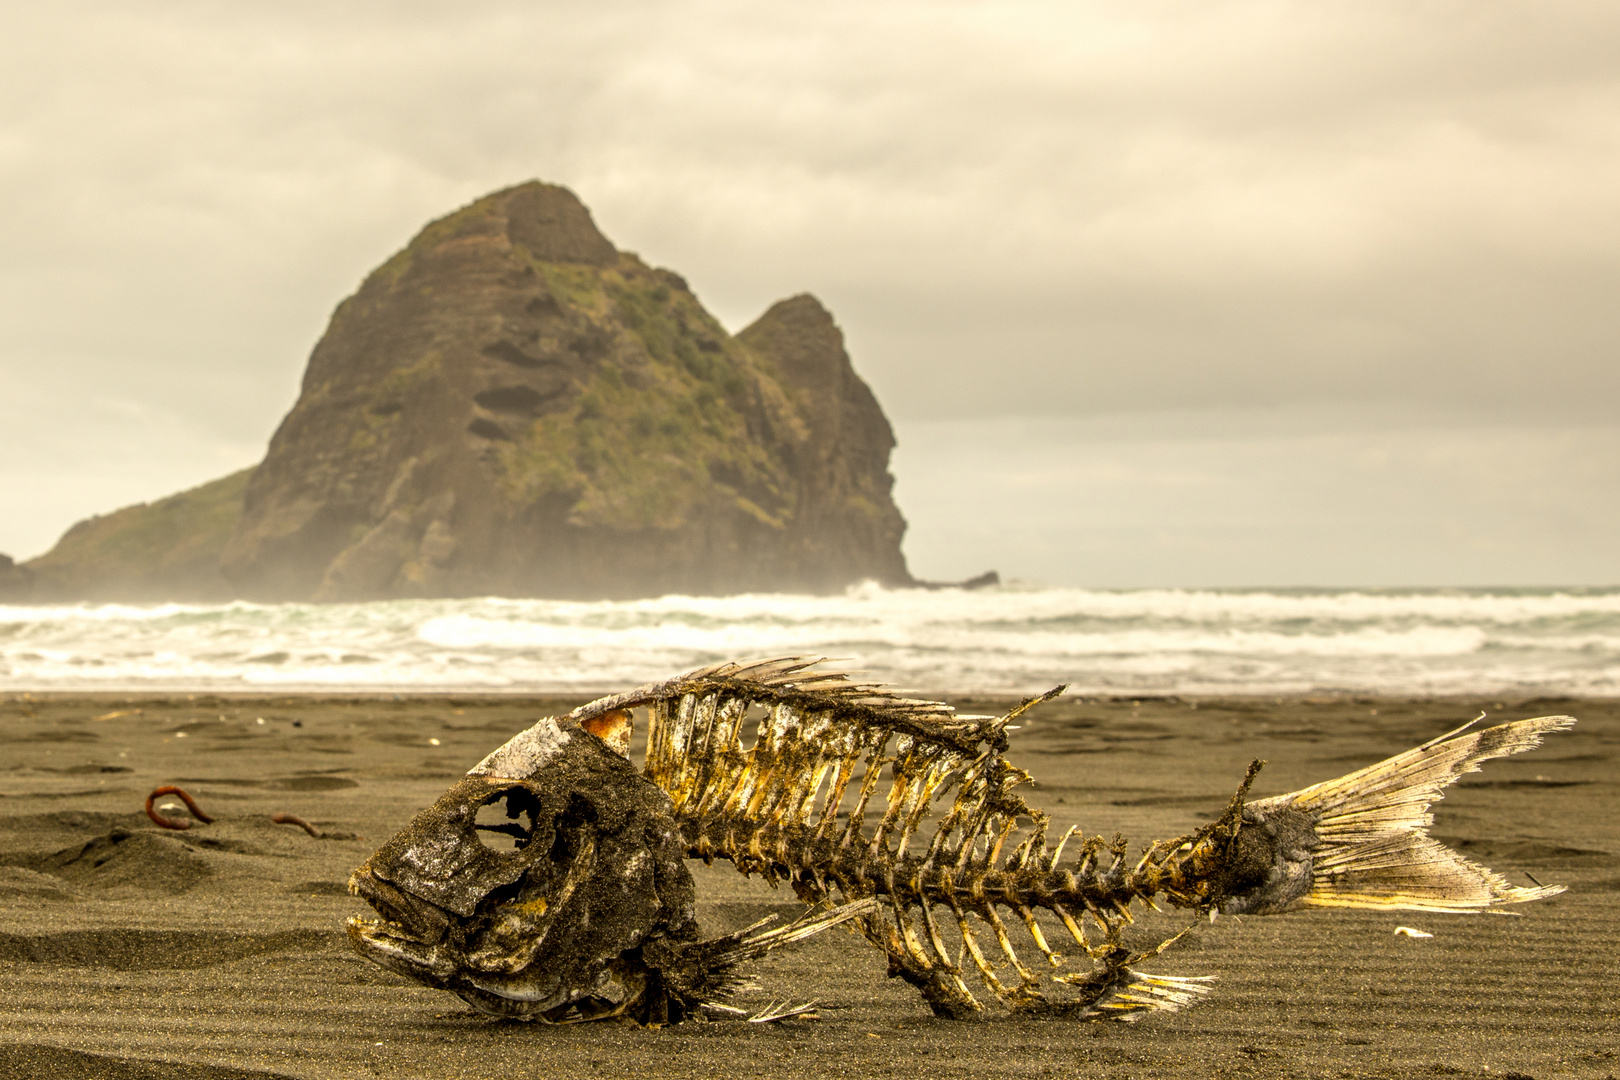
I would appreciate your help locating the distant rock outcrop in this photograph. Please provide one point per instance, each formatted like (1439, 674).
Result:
(164, 550)
(510, 406)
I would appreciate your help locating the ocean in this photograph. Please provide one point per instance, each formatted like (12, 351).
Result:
(1010, 639)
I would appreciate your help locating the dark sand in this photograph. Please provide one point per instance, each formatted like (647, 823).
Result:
(220, 952)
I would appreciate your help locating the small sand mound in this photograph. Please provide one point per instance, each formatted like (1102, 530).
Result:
(142, 861)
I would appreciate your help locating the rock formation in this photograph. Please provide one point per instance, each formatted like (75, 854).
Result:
(165, 550)
(510, 406)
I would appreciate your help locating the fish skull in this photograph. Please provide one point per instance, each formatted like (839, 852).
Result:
(531, 886)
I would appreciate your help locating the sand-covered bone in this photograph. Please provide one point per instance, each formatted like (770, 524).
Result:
(908, 816)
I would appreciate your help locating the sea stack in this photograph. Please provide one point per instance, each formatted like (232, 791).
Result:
(511, 406)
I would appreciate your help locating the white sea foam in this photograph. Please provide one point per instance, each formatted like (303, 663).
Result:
(1008, 639)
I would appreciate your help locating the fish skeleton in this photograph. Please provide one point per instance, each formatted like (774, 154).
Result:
(550, 883)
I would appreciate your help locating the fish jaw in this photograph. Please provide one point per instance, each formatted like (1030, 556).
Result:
(414, 938)
(388, 946)
(408, 913)
(385, 945)
(408, 938)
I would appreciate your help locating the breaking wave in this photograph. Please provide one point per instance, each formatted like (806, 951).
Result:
(1004, 640)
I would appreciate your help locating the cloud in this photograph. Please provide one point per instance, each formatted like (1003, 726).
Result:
(1065, 209)
(1290, 498)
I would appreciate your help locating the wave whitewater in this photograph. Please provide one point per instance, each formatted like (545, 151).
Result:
(1004, 640)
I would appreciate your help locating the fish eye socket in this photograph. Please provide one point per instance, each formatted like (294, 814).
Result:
(505, 822)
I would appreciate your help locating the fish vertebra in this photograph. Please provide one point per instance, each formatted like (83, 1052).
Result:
(836, 796)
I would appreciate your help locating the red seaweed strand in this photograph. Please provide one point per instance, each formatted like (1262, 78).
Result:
(175, 823)
(294, 819)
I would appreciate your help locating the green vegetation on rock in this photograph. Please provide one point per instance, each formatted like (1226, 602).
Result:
(661, 435)
(150, 551)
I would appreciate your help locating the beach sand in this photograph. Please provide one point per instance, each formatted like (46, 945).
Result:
(220, 952)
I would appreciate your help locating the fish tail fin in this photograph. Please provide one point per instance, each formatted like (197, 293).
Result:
(1366, 843)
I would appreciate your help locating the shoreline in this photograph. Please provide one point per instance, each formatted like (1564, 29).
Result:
(1000, 642)
(219, 953)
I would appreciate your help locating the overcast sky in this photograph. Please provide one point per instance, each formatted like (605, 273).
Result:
(1161, 293)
